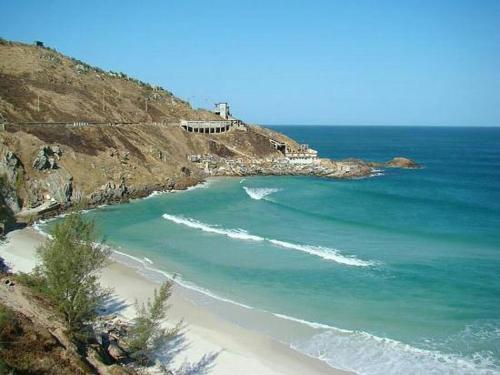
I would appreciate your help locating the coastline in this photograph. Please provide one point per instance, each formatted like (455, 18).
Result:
(220, 345)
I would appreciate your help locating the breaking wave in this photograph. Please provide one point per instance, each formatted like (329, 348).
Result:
(367, 354)
(144, 268)
(241, 234)
(259, 193)
(356, 351)
(325, 253)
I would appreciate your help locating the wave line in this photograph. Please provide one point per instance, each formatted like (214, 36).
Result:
(241, 234)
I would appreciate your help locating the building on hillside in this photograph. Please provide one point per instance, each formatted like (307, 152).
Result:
(222, 109)
(301, 155)
(206, 127)
(227, 123)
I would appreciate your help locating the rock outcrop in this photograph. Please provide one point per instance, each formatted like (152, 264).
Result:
(213, 165)
(59, 186)
(111, 154)
(11, 174)
(400, 162)
(109, 192)
(47, 158)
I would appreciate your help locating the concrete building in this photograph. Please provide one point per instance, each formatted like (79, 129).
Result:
(302, 155)
(206, 127)
(215, 127)
(222, 109)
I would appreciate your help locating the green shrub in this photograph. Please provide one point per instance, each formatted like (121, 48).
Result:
(70, 266)
(146, 335)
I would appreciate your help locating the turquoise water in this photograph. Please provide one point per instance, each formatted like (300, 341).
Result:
(407, 263)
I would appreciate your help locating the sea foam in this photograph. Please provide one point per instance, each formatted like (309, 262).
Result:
(357, 351)
(325, 253)
(368, 354)
(259, 193)
(241, 234)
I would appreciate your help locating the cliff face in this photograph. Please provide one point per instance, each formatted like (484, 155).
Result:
(110, 162)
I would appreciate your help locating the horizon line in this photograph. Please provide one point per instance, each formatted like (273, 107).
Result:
(389, 125)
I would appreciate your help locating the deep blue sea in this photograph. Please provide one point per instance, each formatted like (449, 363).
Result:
(394, 274)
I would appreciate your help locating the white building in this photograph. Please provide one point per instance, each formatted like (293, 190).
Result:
(222, 109)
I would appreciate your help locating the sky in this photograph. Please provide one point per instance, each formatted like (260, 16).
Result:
(322, 62)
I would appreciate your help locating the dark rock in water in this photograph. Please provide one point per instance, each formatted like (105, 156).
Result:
(184, 182)
(109, 192)
(47, 158)
(400, 162)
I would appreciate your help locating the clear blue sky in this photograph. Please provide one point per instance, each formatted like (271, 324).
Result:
(291, 62)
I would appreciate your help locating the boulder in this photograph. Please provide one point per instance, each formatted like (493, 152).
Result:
(11, 160)
(109, 192)
(185, 171)
(183, 183)
(400, 162)
(115, 351)
(47, 157)
(59, 185)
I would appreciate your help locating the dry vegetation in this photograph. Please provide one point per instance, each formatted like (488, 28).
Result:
(70, 90)
(143, 155)
(29, 348)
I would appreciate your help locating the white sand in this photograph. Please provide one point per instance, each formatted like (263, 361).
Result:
(209, 344)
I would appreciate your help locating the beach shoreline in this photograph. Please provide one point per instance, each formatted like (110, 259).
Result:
(221, 345)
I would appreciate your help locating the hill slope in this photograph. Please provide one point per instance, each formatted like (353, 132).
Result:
(147, 151)
(124, 148)
(38, 84)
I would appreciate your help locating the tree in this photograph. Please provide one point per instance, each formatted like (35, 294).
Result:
(146, 334)
(70, 265)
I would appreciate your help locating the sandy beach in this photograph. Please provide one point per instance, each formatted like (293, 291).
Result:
(209, 344)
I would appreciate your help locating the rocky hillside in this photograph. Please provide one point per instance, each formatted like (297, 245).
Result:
(134, 153)
(70, 131)
(39, 84)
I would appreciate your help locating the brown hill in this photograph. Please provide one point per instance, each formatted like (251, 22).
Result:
(39, 84)
(131, 153)
(130, 142)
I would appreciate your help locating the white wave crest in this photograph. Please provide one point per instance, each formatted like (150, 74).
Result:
(306, 322)
(157, 275)
(325, 253)
(356, 351)
(37, 226)
(201, 185)
(154, 193)
(259, 193)
(367, 354)
(240, 234)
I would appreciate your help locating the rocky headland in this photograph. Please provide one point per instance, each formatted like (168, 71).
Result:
(71, 132)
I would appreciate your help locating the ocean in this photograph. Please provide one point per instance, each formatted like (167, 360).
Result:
(394, 274)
